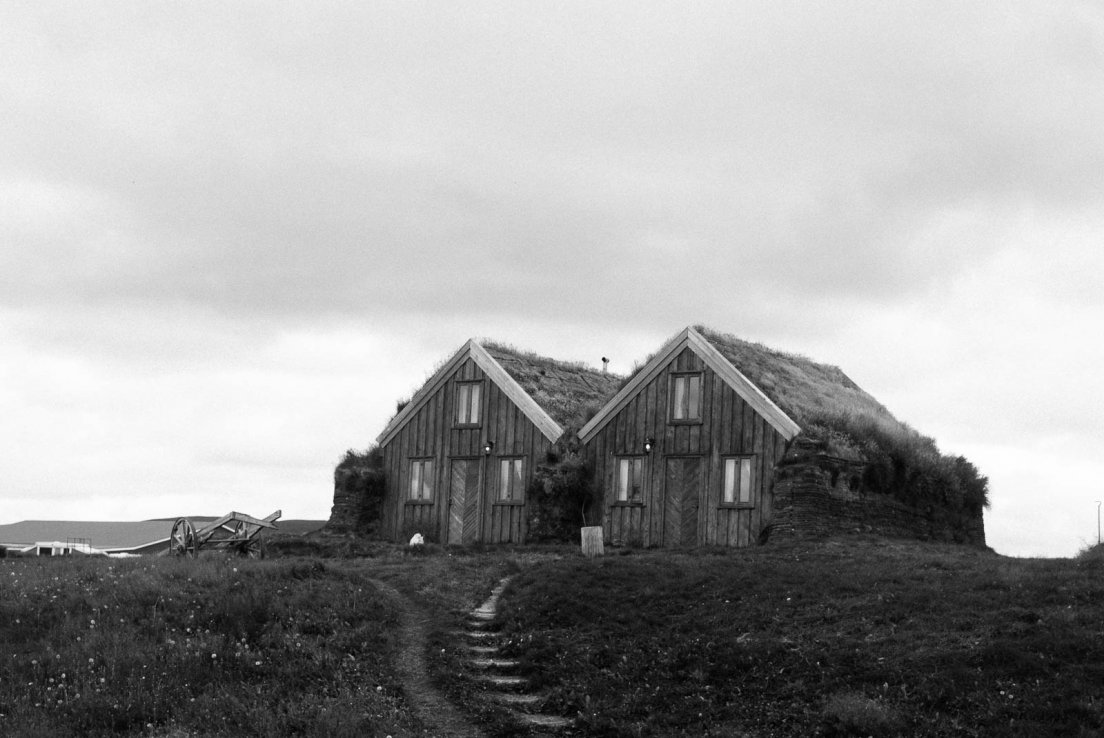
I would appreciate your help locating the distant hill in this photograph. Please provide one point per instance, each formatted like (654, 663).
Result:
(299, 527)
(291, 527)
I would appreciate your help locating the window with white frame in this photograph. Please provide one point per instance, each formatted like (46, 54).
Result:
(686, 397)
(511, 480)
(467, 403)
(630, 479)
(421, 480)
(737, 481)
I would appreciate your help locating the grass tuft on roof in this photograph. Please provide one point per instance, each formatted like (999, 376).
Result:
(805, 390)
(570, 392)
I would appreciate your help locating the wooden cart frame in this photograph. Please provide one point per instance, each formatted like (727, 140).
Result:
(236, 532)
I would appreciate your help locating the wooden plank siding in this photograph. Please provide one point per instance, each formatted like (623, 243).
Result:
(431, 433)
(729, 427)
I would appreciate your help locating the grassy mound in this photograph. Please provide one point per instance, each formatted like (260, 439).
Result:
(856, 638)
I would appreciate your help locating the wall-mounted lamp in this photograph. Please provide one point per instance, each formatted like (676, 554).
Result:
(649, 444)
(488, 447)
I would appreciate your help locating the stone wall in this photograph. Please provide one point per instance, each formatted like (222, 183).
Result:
(358, 494)
(817, 495)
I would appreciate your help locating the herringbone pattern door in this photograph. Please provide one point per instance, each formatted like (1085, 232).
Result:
(682, 491)
(463, 500)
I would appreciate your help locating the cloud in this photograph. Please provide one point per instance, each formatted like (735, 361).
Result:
(222, 225)
(406, 160)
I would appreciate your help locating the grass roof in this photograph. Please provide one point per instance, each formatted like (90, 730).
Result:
(806, 391)
(831, 408)
(570, 392)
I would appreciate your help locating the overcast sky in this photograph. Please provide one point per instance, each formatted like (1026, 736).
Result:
(232, 235)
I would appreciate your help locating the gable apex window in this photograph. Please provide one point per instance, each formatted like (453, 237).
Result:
(737, 481)
(511, 482)
(421, 481)
(467, 402)
(685, 398)
(630, 480)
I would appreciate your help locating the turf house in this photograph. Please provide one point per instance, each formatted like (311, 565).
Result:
(717, 441)
(459, 458)
(712, 441)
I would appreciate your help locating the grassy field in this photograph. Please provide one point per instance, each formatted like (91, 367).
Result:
(216, 646)
(846, 637)
(850, 637)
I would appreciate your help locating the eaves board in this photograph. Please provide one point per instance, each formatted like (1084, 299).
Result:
(716, 361)
(494, 372)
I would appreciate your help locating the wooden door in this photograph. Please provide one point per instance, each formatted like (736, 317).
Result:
(463, 517)
(682, 494)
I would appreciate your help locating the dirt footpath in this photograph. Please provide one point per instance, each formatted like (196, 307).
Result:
(438, 716)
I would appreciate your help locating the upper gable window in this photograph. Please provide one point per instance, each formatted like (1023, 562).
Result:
(467, 403)
(686, 397)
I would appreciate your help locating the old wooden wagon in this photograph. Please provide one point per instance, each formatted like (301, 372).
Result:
(235, 532)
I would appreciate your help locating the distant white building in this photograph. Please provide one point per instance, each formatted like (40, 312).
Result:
(66, 548)
(90, 538)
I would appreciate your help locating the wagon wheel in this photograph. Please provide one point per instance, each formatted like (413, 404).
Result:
(182, 541)
(253, 549)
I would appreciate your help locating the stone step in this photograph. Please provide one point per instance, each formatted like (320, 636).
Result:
(542, 721)
(493, 663)
(478, 635)
(481, 649)
(498, 680)
(483, 615)
(517, 700)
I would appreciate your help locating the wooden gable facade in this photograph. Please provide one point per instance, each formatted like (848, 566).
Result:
(460, 456)
(686, 451)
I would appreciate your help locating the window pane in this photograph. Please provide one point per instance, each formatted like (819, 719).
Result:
(745, 480)
(427, 480)
(421, 479)
(623, 480)
(504, 479)
(517, 485)
(679, 402)
(693, 399)
(730, 480)
(473, 409)
(462, 402)
(637, 480)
